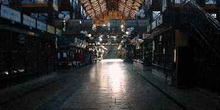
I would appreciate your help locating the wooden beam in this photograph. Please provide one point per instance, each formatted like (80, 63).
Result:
(206, 7)
(35, 5)
(38, 10)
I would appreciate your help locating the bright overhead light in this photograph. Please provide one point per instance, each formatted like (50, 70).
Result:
(89, 35)
(122, 26)
(6, 72)
(114, 37)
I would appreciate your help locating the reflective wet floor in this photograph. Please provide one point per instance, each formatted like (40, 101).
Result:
(106, 85)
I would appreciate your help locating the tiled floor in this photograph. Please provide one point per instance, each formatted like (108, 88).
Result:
(107, 85)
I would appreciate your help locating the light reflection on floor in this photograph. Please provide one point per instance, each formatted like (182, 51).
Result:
(112, 60)
(110, 85)
(110, 74)
(116, 75)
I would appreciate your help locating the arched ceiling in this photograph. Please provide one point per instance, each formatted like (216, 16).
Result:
(101, 11)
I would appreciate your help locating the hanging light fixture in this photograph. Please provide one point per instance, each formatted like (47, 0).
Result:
(65, 17)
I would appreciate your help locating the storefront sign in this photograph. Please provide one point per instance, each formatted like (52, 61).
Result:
(41, 26)
(27, 20)
(50, 29)
(10, 14)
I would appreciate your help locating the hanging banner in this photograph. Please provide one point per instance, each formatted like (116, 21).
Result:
(50, 29)
(58, 32)
(10, 14)
(29, 21)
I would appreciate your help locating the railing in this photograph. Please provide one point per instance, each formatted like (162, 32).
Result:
(204, 24)
(157, 22)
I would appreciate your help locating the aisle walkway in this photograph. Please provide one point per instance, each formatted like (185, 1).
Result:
(188, 98)
(111, 85)
(107, 85)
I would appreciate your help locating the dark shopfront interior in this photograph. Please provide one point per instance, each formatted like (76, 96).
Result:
(24, 57)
